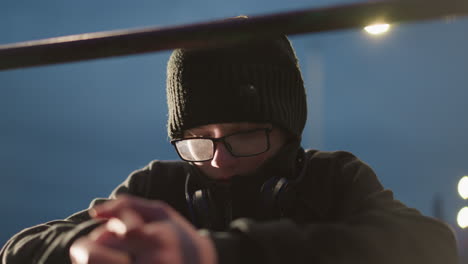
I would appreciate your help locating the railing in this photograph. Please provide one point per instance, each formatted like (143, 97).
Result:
(127, 42)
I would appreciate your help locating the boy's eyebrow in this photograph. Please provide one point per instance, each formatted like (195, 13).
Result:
(196, 132)
(229, 128)
(190, 134)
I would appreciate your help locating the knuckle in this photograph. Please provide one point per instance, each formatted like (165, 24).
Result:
(163, 205)
(124, 201)
(80, 250)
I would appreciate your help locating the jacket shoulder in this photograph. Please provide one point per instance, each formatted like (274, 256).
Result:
(154, 181)
(339, 155)
(330, 178)
(335, 164)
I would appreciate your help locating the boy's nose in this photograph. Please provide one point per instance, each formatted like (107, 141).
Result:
(222, 157)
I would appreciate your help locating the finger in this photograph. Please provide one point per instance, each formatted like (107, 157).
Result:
(148, 210)
(107, 238)
(187, 244)
(192, 246)
(159, 258)
(169, 241)
(86, 251)
(155, 243)
(126, 221)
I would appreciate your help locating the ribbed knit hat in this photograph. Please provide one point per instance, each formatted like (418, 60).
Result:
(250, 82)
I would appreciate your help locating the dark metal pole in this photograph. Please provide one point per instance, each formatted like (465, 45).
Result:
(127, 42)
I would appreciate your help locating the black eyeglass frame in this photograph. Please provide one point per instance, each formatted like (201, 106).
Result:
(226, 145)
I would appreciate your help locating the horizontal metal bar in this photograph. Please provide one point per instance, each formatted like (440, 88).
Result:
(127, 42)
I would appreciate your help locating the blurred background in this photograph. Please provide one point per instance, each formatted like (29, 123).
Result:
(72, 132)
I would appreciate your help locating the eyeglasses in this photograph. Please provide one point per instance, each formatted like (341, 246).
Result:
(240, 144)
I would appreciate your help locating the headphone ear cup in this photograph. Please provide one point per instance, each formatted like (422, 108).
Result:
(203, 207)
(271, 193)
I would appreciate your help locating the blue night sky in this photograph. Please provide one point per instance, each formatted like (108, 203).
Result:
(72, 132)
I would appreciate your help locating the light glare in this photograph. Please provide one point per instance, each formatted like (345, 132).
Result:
(463, 187)
(377, 29)
(462, 218)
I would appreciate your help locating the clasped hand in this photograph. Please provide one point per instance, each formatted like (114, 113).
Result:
(141, 231)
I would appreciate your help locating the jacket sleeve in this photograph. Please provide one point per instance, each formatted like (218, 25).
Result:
(47, 243)
(50, 242)
(360, 223)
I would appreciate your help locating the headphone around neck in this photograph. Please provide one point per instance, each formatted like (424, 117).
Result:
(276, 194)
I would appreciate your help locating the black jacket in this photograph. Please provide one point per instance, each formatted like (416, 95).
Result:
(336, 211)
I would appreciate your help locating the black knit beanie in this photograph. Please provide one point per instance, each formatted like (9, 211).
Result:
(251, 82)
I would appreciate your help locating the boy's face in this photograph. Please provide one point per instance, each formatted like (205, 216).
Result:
(224, 165)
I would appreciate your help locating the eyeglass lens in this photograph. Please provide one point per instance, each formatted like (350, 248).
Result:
(195, 149)
(240, 145)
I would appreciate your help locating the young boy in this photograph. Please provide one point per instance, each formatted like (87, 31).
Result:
(245, 192)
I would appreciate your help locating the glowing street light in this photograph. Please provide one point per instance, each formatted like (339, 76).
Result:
(463, 187)
(377, 29)
(462, 218)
